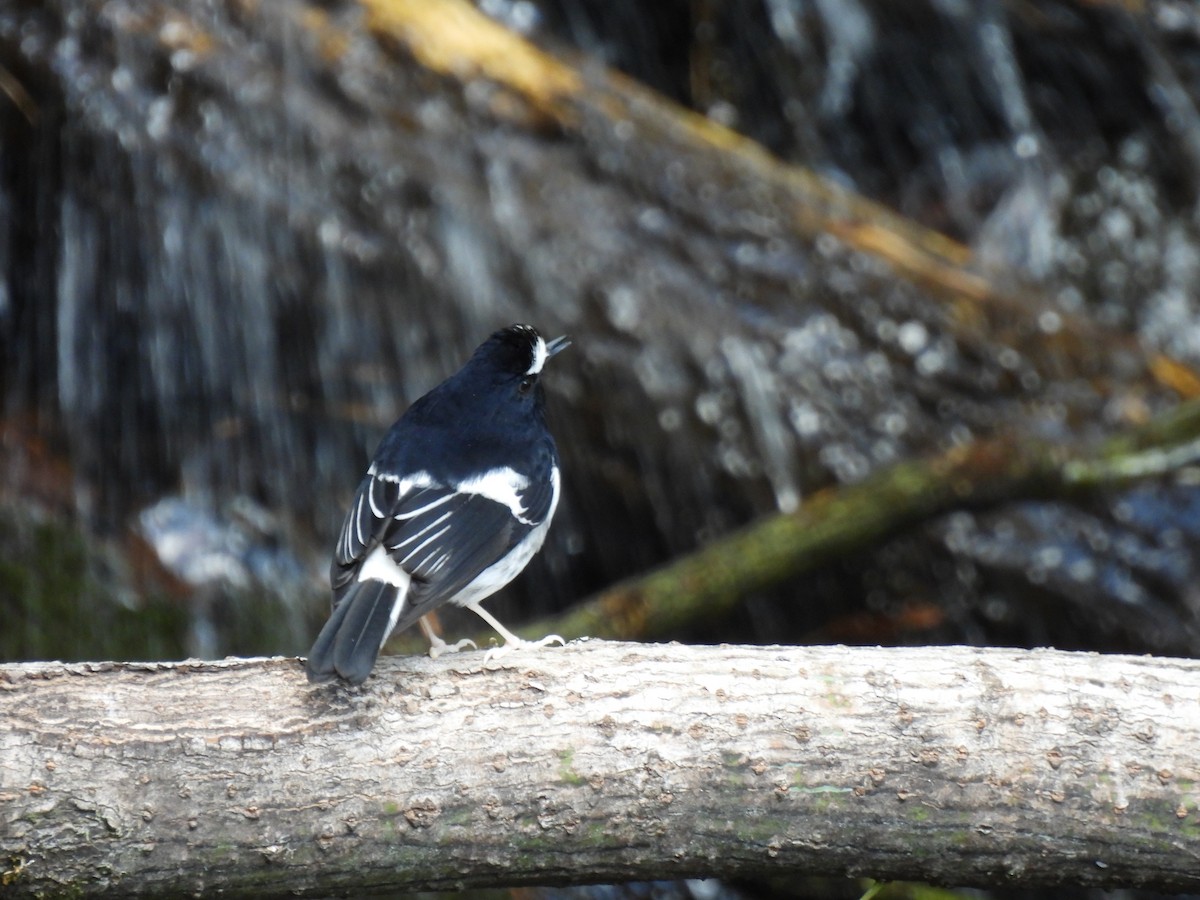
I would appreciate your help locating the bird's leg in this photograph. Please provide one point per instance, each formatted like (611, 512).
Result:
(511, 641)
(436, 645)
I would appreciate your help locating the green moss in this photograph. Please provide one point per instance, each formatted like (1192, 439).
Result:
(66, 593)
(918, 812)
(458, 817)
(566, 768)
(907, 890)
(824, 798)
(12, 870)
(59, 600)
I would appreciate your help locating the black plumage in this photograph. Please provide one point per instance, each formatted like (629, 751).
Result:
(456, 502)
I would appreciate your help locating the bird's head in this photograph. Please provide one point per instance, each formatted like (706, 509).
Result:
(513, 359)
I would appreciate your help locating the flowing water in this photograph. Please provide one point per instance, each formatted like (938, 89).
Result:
(236, 242)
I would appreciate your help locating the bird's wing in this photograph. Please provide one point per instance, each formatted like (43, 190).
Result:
(441, 535)
(537, 498)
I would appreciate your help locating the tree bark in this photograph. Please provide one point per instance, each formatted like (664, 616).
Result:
(600, 761)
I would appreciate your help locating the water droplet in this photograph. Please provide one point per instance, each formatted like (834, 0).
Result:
(624, 308)
(1026, 146)
(931, 362)
(912, 337)
(1049, 321)
(805, 419)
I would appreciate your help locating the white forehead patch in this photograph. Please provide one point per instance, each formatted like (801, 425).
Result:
(539, 357)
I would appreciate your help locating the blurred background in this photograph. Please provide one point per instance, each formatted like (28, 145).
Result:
(796, 242)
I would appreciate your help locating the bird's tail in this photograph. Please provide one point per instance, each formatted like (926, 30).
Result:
(349, 644)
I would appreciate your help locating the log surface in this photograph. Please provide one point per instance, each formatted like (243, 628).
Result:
(600, 761)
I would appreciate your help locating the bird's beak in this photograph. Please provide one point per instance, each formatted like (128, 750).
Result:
(559, 343)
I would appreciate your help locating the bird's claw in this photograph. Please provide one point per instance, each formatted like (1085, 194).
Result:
(438, 647)
(509, 646)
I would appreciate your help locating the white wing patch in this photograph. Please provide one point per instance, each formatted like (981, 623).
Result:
(540, 356)
(503, 485)
(510, 566)
(420, 479)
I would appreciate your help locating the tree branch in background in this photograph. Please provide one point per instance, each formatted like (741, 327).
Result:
(839, 520)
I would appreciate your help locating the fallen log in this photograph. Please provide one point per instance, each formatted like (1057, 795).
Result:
(599, 762)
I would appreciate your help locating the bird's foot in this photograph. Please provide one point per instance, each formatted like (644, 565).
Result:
(437, 646)
(518, 644)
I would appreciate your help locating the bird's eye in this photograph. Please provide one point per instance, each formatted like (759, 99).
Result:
(527, 384)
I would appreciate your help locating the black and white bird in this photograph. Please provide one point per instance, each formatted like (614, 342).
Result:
(457, 500)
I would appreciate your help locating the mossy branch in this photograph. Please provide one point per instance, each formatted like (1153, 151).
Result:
(842, 519)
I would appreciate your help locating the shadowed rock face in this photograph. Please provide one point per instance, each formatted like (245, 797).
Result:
(236, 244)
